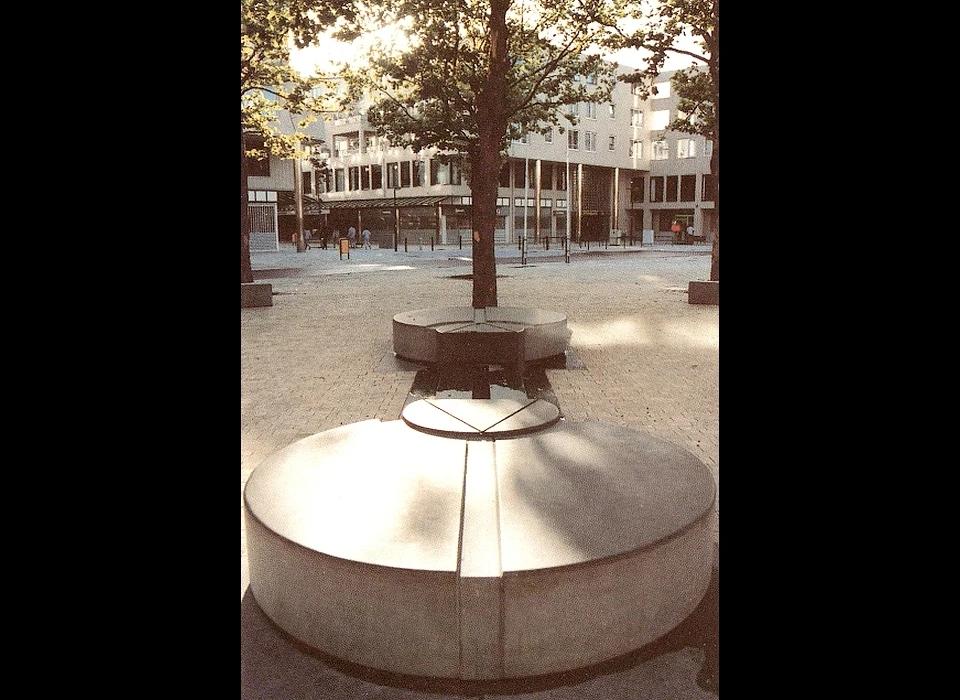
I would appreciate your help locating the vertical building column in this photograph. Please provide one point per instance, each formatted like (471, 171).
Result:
(536, 199)
(615, 214)
(579, 201)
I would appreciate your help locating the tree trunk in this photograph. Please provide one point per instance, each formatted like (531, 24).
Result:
(246, 271)
(486, 164)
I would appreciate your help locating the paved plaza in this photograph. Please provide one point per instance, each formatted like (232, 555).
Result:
(321, 357)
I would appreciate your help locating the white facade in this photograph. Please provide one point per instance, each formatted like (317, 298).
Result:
(618, 172)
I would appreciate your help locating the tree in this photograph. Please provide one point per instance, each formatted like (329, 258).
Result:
(478, 74)
(663, 25)
(268, 29)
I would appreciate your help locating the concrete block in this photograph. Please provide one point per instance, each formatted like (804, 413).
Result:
(704, 293)
(255, 294)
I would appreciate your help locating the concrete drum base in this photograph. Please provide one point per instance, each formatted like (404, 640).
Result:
(464, 335)
(479, 539)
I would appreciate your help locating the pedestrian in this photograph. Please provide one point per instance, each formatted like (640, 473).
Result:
(675, 227)
(306, 237)
(352, 235)
(366, 238)
(690, 232)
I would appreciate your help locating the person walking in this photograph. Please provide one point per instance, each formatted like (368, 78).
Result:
(675, 228)
(352, 235)
(366, 238)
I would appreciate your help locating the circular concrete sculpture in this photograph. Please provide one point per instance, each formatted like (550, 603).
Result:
(464, 335)
(479, 539)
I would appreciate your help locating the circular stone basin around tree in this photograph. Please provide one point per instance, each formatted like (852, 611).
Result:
(479, 539)
(464, 335)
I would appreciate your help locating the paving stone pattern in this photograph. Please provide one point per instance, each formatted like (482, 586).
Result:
(315, 359)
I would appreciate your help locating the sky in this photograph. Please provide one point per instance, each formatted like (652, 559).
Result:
(304, 59)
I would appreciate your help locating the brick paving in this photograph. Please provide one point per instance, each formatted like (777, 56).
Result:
(321, 357)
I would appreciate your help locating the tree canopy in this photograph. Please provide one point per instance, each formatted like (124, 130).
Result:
(471, 75)
(268, 83)
(269, 29)
(427, 93)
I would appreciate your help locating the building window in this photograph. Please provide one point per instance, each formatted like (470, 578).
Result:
(612, 143)
(656, 189)
(520, 175)
(376, 173)
(364, 177)
(256, 166)
(636, 88)
(339, 182)
(688, 188)
(561, 178)
(660, 120)
(661, 90)
(546, 176)
(354, 174)
(671, 188)
(393, 175)
(590, 140)
(574, 109)
(439, 173)
(707, 191)
(636, 149)
(661, 150)
(686, 148)
(708, 148)
(548, 137)
(419, 173)
(636, 189)
(591, 110)
(636, 118)
(405, 174)
(613, 110)
(573, 140)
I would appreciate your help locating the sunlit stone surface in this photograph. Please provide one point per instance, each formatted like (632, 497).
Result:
(479, 539)
(462, 334)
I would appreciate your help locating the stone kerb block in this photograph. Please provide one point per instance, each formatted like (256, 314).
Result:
(255, 294)
(704, 292)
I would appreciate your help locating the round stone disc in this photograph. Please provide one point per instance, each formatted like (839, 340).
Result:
(468, 419)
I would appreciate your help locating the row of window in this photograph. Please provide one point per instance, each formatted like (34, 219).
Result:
(671, 188)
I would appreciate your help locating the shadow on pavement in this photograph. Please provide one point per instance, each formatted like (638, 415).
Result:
(275, 666)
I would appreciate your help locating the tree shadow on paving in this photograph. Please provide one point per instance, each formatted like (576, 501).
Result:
(276, 666)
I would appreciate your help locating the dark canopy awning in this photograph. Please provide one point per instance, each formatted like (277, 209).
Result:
(288, 207)
(383, 202)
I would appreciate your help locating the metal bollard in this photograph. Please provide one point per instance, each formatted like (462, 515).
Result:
(431, 244)
(404, 245)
